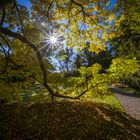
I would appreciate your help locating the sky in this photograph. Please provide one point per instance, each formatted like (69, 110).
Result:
(112, 4)
(25, 2)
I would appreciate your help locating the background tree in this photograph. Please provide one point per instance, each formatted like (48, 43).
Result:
(128, 44)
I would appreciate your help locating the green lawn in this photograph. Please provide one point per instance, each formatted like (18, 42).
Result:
(109, 99)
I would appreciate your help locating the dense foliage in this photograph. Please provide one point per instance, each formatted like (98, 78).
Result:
(69, 68)
(128, 43)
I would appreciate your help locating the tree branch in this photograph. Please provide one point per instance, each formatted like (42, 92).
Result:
(20, 21)
(7, 54)
(48, 10)
(3, 3)
(86, 14)
(3, 17)
(10, 33)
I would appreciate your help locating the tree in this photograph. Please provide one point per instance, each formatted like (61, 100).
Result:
(76, 21)
(128, 43)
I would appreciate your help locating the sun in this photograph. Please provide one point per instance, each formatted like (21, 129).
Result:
(50, 40)
(53, 39)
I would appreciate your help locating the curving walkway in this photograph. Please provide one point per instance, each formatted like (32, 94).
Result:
(130, 102)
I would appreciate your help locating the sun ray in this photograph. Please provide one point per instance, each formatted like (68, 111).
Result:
(51, 40)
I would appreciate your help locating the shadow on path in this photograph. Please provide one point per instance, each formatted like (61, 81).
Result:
(130, 102)
(122, 92)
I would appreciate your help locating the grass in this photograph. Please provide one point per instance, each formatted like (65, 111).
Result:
(66, 120)
(108, 99)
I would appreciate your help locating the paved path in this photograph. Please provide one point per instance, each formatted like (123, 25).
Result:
(130, 102)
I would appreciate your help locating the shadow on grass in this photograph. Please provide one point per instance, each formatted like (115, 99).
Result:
(66, 121)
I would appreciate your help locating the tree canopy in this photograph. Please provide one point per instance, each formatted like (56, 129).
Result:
(79, 29)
